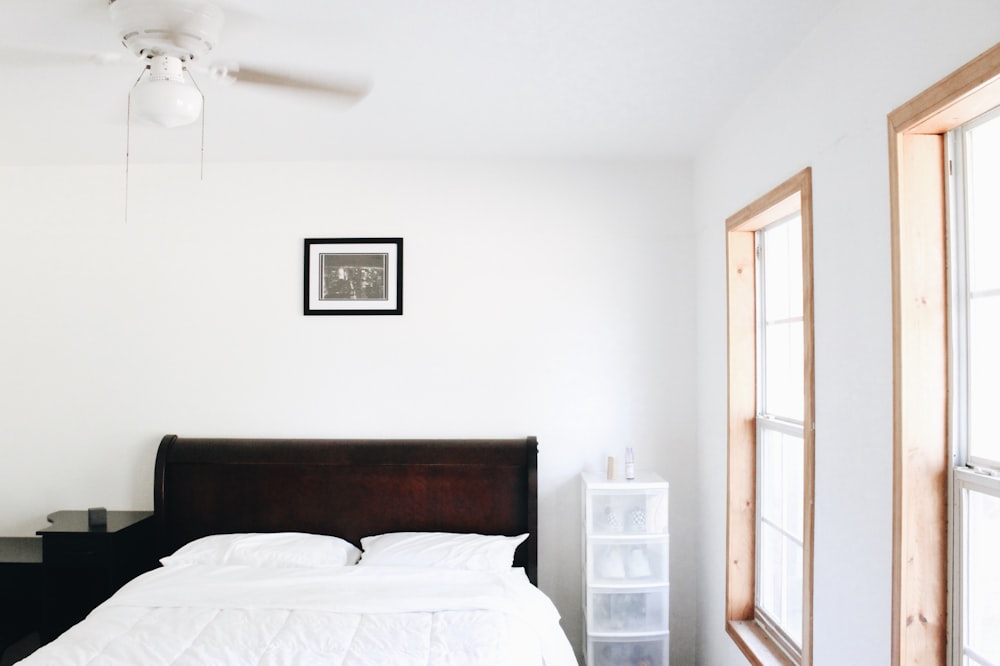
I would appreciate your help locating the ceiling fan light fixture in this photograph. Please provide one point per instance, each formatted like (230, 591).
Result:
(165, 97)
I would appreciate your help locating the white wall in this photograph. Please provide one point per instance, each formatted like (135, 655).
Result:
(542, 298)
(826, 107)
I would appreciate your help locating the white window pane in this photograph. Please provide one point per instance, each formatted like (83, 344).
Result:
(791, 621)
(783, 366)
(967, 661)
(775, 248)
(770, 476)
(984, 378)
(982, 584)
(783, 270)
(770, 590)
(983, 202)
(779, 585)
(781, 481)
(791, 450)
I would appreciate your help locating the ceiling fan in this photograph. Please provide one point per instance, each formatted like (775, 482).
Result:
(172, 38)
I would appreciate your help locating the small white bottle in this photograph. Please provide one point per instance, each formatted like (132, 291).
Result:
(629, 464)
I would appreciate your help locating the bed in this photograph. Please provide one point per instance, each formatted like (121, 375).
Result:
(260, 541)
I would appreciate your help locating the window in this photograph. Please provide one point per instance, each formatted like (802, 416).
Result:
(770, 474)
(974, 327)
(922, 366)
(779, 430)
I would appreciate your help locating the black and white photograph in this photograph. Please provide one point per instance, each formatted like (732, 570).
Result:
(353, 276)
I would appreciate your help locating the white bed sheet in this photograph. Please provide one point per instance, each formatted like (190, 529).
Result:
(346, 616)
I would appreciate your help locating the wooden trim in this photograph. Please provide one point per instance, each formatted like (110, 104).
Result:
(773, 206)
(742, 411)
(759, 648)
(794, 194)
(920, 618)
(808, 416)
(780, 202)
(964, 94)
(920, 442)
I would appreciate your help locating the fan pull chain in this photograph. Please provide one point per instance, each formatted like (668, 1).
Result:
(128, 138)
(198, 88)
(128, 146)
(128, 132)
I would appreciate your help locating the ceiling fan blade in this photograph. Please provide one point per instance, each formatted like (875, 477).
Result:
(18, 56)
(349, 91)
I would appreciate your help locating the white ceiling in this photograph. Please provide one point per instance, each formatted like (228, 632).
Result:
(451, 78)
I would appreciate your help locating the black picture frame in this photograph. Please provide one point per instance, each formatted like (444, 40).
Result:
(353, 276)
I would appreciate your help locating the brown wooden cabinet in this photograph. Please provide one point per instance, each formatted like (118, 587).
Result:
(83, 566)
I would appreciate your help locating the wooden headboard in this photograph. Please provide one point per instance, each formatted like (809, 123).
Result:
(347, 488)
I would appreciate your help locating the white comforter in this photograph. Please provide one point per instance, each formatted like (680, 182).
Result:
(349, 616)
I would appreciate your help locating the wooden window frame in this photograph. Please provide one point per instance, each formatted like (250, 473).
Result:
(795, 194)
(921, 452)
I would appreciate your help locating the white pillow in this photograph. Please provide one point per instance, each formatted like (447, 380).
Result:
(475, 552)
(278, 550)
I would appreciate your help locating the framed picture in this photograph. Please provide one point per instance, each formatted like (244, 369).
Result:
(353, 276)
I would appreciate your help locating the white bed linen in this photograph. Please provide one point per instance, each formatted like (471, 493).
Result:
(345, 616)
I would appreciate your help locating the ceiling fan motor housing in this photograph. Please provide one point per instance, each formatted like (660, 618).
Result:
(166, 68)
(183, 29)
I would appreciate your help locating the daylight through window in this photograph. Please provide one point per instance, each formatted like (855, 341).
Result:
(779, 430)
(974, 198)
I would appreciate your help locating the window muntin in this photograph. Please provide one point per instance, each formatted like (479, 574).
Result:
(974, 154)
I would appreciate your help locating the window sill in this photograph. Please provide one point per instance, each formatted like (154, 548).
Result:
(757, 646)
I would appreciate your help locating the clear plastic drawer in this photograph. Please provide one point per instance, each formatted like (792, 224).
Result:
(628, 610)
(639, 511)
(616, 561)
(651, 651)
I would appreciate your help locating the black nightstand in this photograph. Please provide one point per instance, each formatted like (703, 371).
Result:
(83, 566)
(20, 588)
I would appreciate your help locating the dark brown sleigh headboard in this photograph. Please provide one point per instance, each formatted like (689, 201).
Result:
(347, 488)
